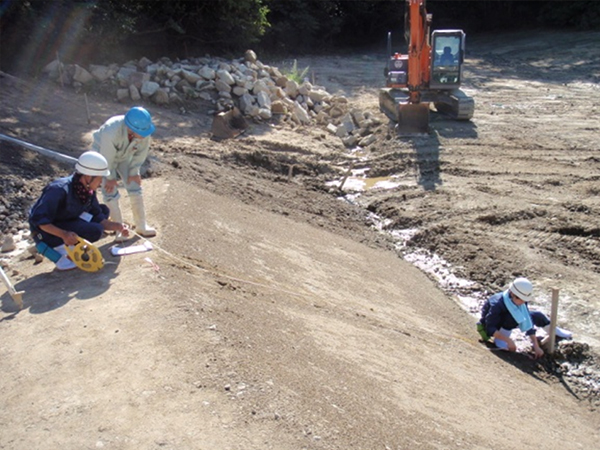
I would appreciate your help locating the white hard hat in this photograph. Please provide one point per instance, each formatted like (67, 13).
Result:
(92, 163)
(522, 288)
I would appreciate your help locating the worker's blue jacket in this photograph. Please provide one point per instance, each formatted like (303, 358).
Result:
(495, 315)
(59, 203)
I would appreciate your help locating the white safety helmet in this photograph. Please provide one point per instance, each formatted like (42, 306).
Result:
(522, 288)
(92, 163)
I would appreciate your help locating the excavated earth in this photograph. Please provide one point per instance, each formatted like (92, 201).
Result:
(303, 295)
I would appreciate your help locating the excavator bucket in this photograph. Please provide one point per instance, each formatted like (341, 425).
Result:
(227, 125)
(413, 118)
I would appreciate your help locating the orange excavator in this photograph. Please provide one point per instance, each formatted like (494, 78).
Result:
(430, 72)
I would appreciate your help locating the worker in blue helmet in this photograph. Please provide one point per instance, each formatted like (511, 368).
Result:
(124, 141)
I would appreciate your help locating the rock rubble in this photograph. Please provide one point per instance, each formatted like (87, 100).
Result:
(261, 92)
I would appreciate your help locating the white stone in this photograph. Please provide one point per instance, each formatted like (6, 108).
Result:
(225, 77)
(300, 114)
(149, 88)
(263, 99)
(190, 77)
(260, 86)
(319, 95)
(281, 81)
(254, 111)
(207, 73)
(304, 89)
(348, 123)
(341, 131)
(123, 75)
(265, 113)
(350, 141)
(322, 118)
(100, 73)
(81, 75)
(250, 56)
(246, 103)
(239, 91)
(364, 142)
(134, 93)
(221, 86)
(205, 85)
(291, 88)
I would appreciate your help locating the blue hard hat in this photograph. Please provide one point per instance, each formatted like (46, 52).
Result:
(139, 121)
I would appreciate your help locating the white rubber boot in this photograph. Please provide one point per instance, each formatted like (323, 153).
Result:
(560, 332)
(115, 210)
(139, 217)
(116, 216)
(64, 263)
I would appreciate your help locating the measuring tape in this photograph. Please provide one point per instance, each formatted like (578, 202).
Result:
(86, 256)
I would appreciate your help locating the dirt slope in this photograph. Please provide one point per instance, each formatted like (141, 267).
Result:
(261, 332)
(272, 315)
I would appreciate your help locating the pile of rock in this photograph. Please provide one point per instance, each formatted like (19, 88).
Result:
(260, 91)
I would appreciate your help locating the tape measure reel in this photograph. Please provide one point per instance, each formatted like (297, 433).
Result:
(86, 256)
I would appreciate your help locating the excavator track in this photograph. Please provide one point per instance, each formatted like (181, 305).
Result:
(414, 118)
(456, 104)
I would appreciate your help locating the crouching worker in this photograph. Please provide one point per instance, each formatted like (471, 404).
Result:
(507, 310)
(68, 209)
(125, 142)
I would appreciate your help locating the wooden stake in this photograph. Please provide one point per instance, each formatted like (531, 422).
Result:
(290, 173)
(347, 175)
(553, 320)
(16, 296)
(60, 75)
(87, 107)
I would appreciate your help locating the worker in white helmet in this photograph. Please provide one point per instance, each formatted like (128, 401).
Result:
(124, 141)
(69, 209)
(507, 310)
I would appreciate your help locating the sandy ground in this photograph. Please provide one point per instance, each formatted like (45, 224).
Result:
(274, 314)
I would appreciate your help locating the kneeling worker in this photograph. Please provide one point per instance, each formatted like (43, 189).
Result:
(507, 310)
(68, 209)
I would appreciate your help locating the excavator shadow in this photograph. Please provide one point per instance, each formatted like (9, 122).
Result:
(449, 128)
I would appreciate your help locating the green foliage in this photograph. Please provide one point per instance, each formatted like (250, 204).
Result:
(294, 74)
(580, 15)
(101, 31)
(302, 25)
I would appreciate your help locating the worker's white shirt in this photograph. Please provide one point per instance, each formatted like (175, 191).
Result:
(112, 142)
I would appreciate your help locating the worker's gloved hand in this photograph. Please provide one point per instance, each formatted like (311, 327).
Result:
(511, 345)
(70, 238)
(124, 230)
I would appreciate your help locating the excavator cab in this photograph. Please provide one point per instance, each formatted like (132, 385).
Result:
(448, 53)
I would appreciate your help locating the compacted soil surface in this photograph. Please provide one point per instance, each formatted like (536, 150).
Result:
(304, 295)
